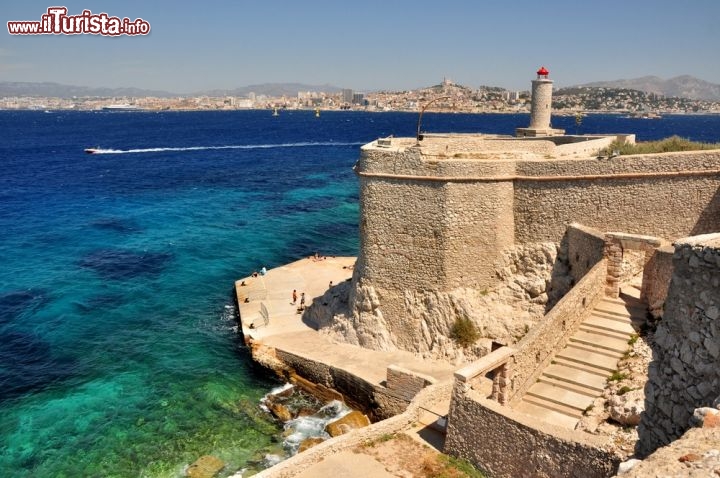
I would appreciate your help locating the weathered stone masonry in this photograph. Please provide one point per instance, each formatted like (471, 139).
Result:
(439, 216)
(685, 372)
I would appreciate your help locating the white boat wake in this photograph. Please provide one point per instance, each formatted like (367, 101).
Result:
(240, 146)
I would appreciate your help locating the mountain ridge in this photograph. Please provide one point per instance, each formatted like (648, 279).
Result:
(683, 86)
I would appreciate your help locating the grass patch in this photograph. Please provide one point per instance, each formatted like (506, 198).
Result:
(667, 145)
(450, 467)
(617, 376)
(624, 389)
(633, 339)
(464, 332)
(381, 439)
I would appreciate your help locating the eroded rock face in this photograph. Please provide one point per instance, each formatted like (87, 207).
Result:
(532, 278)
(626, 409)
(362, 324)
(349, 422)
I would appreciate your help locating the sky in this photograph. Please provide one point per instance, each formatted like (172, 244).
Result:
(368, 45)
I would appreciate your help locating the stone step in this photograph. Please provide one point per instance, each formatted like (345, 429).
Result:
(560, 396)
(622, 319)
(632, 291)
(622, 308)
(581, 389)
(613, 334)
(575, 376)
(595, 350)
(611, 324)
(431, 420)
(547, 415)
(592, 362)
(598, 341)
(612, 309)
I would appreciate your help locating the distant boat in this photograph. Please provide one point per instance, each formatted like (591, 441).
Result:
(317, 112)
(275, 112)
(122, 107)
(92, 150)
(644, 115)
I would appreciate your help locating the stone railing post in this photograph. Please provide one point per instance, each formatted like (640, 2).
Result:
(614, 255)
(502, 378)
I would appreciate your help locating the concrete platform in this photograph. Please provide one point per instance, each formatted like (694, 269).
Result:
(274, 291)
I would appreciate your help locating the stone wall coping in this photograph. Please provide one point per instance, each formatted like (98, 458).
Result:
(427, 378)
(489, 362)
(577, 177)
(709, 240)
(638, 238)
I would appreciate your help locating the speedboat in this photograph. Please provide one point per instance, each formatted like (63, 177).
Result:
(92, 150)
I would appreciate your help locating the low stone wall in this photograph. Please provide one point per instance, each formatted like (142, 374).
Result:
(585, 249)
(406, 383)
(537, 348)
(376, 401)
(656, 280)
(301, 462)
(684, 374)
(504, 443)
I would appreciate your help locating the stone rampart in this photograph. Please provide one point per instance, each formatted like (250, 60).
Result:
(684, 374)
(626, 193)
(439, 216)
(505, 443)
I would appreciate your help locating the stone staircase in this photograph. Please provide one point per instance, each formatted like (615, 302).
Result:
(578, 374)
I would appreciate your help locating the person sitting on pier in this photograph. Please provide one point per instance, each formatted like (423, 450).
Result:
(263, 271)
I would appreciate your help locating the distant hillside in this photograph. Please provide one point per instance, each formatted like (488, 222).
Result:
(681, 87)
(57, 90)
(272, 89)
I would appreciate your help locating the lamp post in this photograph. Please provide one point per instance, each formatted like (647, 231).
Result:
(417, 137)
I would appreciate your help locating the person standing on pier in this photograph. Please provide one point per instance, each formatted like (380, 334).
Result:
(302, 301)
(294, 296)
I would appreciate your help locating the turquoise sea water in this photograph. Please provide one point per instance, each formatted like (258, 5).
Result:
(118, 349)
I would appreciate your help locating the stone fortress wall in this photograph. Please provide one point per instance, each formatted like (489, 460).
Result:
(439, 216)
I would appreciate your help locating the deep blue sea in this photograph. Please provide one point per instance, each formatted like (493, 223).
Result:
(118, 352)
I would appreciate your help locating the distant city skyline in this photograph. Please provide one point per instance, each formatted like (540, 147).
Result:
(368, 46)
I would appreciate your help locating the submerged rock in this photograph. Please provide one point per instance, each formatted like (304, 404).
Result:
(349, 422)
(205, 467)
(309, 443)
(280, 411)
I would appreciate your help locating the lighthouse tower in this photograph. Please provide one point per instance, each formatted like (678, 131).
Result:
(541, 108)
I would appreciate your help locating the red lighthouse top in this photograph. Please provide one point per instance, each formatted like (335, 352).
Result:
(542, 71)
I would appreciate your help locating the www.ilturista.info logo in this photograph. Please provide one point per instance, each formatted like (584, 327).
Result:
(57, 22)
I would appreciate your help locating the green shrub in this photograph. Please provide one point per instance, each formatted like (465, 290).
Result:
(617, 376)
(667, 145)
(464, 332)
(624, 389)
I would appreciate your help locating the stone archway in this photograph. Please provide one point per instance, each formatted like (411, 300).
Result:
(615, 245)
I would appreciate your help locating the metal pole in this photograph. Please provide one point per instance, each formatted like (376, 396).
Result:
(417, 137)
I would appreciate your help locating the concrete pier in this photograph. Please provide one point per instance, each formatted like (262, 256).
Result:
(270, 320)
